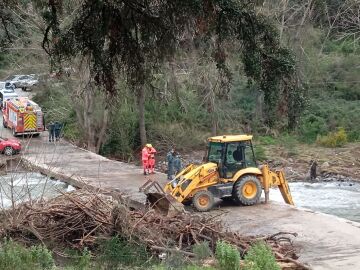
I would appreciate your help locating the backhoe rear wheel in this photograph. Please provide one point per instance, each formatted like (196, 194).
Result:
(203, 200)
(247, 190)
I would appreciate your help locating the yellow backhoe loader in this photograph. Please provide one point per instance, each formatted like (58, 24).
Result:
(230, 173)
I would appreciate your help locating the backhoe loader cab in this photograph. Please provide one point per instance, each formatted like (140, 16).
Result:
(230, 172)
(231, 154)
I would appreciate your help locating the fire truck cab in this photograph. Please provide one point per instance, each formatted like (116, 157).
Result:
(23, 116)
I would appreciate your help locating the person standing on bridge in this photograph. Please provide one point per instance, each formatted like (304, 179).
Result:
(57, 128)
(51, 130)
(177, 163)
(145, 159)
(152, 152)
(170, 163)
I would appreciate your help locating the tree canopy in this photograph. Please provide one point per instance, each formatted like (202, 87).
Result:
(132, 37)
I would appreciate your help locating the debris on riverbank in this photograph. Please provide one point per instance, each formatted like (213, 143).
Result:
(78, 219)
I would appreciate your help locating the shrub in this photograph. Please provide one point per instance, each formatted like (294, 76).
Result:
(311, 126)
(201, 251)
(15, 256)
(116, 252)
(175, 260)
(260, 257)
(267, 140)
(43, 256)
(184, 267)
(333, 139)
(289, 142)
(260, 153)
(83, 262)
(228, 256)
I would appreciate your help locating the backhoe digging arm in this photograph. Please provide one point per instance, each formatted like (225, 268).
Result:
(271, 179)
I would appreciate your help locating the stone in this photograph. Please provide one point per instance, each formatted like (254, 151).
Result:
(325, 165)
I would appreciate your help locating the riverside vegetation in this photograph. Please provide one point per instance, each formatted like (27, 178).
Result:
(191, 93)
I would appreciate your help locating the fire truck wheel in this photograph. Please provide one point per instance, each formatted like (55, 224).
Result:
(8, 151)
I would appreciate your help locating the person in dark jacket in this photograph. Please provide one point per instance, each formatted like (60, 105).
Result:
(51, 130)
(57, 127)
(313, 174)
(177, 163)
(170, 163)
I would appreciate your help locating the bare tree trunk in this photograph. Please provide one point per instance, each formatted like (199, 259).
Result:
(173, 80)
(91, 110)
(141, 108)
(88, 115)
(259, 110)
(284, 7)
(303, 20)
(101, 136)
(211, 107)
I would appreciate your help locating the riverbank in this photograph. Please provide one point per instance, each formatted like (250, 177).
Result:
(333, 164)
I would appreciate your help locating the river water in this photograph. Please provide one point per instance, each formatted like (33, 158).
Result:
(341, 199)
(18, 187)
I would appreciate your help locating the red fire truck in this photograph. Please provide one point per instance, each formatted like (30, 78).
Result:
(23, 116)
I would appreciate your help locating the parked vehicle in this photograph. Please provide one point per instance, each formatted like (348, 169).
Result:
(9, 147)
(23, 116)
(12, 79)
(23, 81)
(7, 94)
(6, 86)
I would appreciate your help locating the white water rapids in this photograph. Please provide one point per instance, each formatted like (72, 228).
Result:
(340, 199)
(20, 187)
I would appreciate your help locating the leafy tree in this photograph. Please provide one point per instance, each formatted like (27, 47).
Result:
(133, 37)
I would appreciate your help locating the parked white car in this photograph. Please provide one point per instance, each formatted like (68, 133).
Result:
(22, 81)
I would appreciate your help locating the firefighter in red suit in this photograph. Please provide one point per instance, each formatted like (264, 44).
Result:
(145, 159)
(152, 152)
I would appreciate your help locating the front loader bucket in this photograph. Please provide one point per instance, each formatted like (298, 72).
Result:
(160, 201)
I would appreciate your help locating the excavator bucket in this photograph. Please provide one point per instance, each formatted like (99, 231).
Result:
(159, 200)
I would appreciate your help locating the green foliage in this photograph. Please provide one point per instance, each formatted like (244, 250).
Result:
(266, 140)
(289, 143)
(118, 252)
(122, 136)
(227, 255)
(150, 36)
(333, 139)
(43, 256)
(174, 260)
(311, 126)
(57, 104)
(260, 154)
(83, 262)
(202, 250)
(260, 257)
(15, 256)
(184, 267)
(78, 260)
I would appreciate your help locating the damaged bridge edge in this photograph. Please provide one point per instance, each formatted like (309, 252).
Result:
(79, 183)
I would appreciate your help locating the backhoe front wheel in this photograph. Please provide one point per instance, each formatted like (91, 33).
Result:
(203, 200)
(247, 190)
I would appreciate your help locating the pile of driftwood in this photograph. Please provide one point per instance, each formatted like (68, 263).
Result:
(77, 219)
